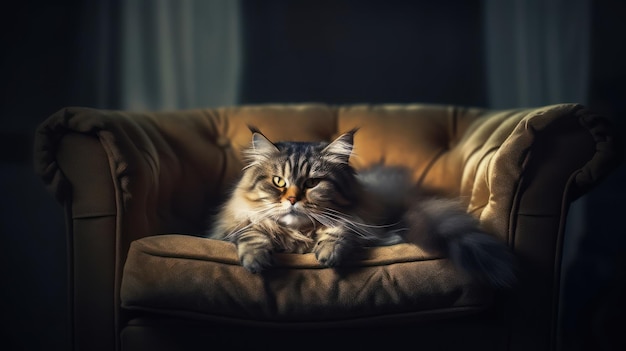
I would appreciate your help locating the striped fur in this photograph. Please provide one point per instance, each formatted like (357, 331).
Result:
(304, 197)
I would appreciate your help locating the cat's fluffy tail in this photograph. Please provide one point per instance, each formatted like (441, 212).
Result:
(443, 225)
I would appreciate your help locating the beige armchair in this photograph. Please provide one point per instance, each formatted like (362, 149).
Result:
(139, 187)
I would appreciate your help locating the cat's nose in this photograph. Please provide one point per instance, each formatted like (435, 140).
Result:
(291, 199)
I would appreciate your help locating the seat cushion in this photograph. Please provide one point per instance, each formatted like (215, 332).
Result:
(201, 278)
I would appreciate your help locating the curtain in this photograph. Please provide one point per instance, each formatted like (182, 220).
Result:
(537, 51)
(179, 54)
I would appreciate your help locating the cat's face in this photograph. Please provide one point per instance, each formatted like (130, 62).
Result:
(300, 184)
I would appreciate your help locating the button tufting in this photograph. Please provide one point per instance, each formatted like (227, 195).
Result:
(222, 142)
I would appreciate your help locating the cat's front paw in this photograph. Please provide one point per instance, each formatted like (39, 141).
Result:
(256, 260)
(329, 252)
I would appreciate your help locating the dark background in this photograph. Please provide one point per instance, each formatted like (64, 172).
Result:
(374, 52)
(323, 51)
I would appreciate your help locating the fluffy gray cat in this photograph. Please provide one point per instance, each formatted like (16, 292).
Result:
(301, 197)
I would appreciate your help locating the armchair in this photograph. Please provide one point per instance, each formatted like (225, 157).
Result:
(139, 187)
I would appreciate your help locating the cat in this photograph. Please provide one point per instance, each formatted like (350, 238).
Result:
(302, 197)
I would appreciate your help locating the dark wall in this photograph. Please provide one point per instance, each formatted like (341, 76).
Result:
(346, 51)
(47, 62)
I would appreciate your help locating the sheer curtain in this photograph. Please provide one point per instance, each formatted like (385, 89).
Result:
(179, 54)
(538, 53)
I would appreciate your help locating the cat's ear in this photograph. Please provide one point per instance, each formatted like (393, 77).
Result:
(341, 148)
(261, 144)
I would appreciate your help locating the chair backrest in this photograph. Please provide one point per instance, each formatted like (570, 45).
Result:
(443, 147)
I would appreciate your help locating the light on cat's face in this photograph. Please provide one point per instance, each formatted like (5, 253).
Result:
(291, 206)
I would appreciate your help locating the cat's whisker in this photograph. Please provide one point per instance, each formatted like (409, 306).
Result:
(362, 230)
(346, 217)
(235, 233)
(260, 215)
(329, 222)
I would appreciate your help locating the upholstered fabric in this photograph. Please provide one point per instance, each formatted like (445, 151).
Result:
(127, 177)
(183, 275)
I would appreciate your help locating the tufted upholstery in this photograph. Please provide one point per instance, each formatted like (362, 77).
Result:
(125, 177)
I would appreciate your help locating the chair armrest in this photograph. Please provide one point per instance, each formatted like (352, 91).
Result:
(116, 174)
(552, 156)
(139, 166)
(549, 157)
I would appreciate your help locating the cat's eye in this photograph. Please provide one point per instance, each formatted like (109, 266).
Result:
(279, 182)
(311, 183)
